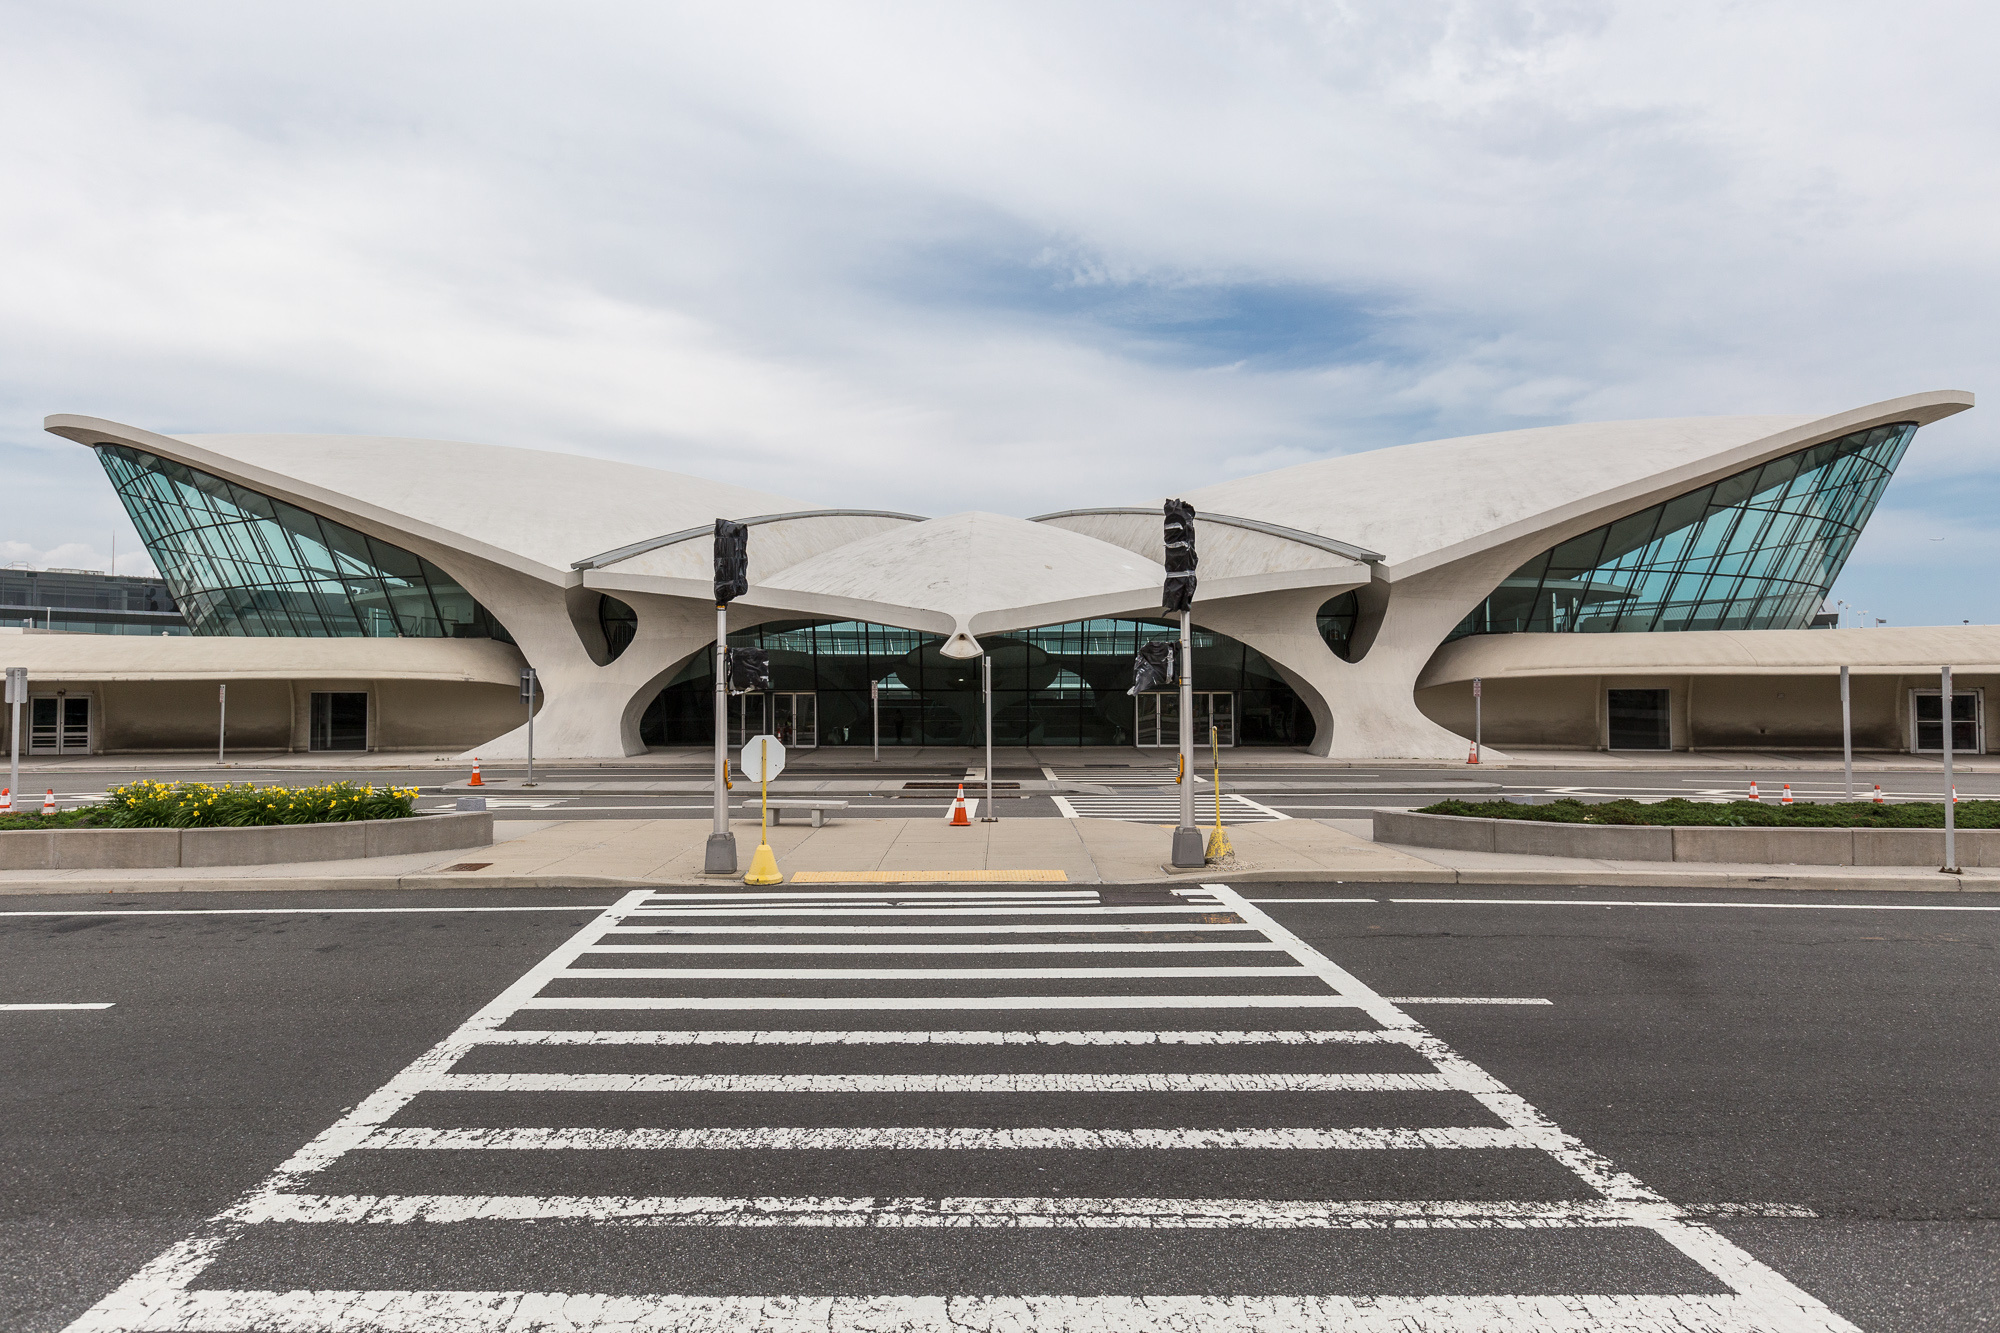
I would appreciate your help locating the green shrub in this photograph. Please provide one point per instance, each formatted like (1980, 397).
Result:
(23, 819)
(1746, 814)
(147, 804)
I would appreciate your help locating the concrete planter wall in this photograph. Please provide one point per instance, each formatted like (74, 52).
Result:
(164, 848)
(1629, 842)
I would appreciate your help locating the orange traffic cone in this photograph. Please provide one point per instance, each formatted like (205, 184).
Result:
(959, 818)
(49, 801)
(1785, 798)
(475, 780)
(1472, 755)
(1878, 795)
(6, 800)
(1753, 790)
(1954, 796)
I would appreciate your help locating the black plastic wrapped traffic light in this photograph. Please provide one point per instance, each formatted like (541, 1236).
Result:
(732, 561)
(1153, 667)
(749, 671)
(1178, 594)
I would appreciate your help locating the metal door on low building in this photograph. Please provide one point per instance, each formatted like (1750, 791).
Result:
(1968, 721)
(339, 720)
(59, 724)
(1157, 718)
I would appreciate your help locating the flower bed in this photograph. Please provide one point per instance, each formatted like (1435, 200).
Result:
(1678, 812)
(148, 804)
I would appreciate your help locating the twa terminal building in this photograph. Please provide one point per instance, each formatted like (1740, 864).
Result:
(1628, 585)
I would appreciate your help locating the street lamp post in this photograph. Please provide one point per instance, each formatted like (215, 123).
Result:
(732, 580)
(1178, 596)
(1950, 791)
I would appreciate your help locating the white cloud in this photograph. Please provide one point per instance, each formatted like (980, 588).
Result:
(1017, 256)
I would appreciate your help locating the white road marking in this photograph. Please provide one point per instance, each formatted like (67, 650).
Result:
(907, 909)
(914, 895)
(1621, 902)
(1113, 927)
(977, 1083)
(945, 1037)
(966, 1212)
(926, 1139)
(21, 1008)
(291, 911)
(1245, 800)
(1165, 807)
(946, 1002)
(955, 949)
(1467, 999)
(931, 973)
(170, 1311)
(1064, 808)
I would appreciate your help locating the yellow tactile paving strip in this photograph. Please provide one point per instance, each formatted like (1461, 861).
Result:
(931, 877)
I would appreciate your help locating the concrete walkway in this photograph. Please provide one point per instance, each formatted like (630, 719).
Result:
(619, 854)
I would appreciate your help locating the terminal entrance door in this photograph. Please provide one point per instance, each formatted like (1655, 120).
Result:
(59, 724)
(791, 716)
(1158, 720)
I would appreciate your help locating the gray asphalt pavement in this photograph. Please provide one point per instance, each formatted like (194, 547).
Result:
(1809, 1083)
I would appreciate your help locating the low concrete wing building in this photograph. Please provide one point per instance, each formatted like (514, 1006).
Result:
(1621, 583)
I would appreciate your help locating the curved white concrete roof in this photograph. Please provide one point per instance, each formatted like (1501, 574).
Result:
(1426, 504)
(972, 574)
(549, 509)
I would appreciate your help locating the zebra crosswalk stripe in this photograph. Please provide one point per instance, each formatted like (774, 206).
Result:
(182, 1289)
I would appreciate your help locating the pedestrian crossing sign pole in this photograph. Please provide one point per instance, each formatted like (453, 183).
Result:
(763, 759)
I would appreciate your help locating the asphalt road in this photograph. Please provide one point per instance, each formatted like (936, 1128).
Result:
(1810, 1081)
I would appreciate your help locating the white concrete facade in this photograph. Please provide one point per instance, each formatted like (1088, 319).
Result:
(1421, 533)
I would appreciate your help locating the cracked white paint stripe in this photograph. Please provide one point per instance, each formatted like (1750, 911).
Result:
(883, 1037)
(995, 1213)
(944, 1002)
(927, 895)
(831, 949)
(932, 973)
(912, 1139)
(545, 1312)
(975, 1083)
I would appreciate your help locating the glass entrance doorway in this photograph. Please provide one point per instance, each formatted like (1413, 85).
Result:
(59, 724)
(1968, 722)
(792, 717)
(1158, 720)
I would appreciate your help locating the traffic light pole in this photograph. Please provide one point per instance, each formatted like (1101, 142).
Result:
(721, 855)
(1190, 849)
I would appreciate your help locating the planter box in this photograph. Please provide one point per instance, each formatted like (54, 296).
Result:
(1638, 842)
(154, 849)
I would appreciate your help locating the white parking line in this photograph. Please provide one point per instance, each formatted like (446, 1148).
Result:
(868, 1138)
(1465, 999)
(975, 1083)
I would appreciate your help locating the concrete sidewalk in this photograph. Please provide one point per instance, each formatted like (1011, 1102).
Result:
(621, 854)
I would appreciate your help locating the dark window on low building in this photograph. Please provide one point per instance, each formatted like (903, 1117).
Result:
(339, 720)
(1337, 620)
(1639, 720)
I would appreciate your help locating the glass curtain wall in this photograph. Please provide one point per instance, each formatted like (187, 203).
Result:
(1056, 685)
(242, 563)
(1758, 550)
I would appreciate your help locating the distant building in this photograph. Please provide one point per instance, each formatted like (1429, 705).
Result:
(87, 601)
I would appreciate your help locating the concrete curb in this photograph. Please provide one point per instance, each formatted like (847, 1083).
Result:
(1442, 876)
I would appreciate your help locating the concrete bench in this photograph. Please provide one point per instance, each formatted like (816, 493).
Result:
(818, 809)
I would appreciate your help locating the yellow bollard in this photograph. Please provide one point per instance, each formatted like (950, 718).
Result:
(1218, 841)
(763, 863)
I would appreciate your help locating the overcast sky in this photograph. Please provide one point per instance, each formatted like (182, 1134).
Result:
(1011, 256)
